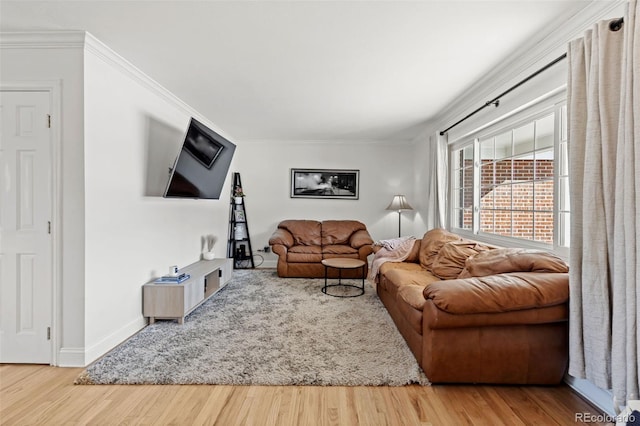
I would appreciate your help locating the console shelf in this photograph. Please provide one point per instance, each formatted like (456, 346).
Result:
(176, 301)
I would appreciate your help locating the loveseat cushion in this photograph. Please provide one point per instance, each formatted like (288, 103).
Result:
(506, 260)
(450, 260)
(431, 244)
(499, 293)
(304, 232)
(339, 250)
(304, 254)
(339, 231)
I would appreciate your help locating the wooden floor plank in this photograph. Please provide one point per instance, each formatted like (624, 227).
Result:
(42, 395)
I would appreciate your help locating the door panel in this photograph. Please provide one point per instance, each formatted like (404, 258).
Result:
(25, 242)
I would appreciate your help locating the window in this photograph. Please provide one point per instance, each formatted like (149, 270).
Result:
(511, 181)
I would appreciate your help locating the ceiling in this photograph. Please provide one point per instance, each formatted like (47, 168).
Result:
(306, 70)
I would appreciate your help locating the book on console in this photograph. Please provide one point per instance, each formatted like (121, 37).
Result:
(172, 280)
(174, 277)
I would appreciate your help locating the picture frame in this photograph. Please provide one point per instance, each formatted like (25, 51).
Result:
(238, 215)
(325, 183)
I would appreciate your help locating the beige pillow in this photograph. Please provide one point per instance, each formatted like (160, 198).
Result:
(431, 244)
(505, 260)
(414, 255)
(450, 260)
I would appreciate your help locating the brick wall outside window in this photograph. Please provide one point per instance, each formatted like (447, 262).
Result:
(516, 198)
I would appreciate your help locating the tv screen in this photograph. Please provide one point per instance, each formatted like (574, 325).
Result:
(202, 164)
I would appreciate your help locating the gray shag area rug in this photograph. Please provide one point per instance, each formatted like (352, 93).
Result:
(264, 330)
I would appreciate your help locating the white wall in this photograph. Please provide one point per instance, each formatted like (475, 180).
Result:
(385, 169)
(28, 61)
(133, 132)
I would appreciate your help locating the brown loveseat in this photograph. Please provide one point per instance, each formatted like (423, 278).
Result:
(477, 314)
(301, 245)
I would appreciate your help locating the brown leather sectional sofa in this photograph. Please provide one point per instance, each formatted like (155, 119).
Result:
(477, 314)
(301, 245)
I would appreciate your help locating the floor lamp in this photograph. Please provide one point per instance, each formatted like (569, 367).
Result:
(399, 203)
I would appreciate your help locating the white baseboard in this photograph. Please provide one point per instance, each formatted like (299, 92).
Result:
(81, 357)
(599, 398)
(71, 357)
(269, 264)
(114, 339)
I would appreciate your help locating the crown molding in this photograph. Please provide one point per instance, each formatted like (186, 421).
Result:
(103, 52)
(91, 45)
(98, 49)
(328, 142)
(42, 40)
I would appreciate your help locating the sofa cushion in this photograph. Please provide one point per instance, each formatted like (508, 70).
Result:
(402, 273)
(506, 260)
(304, 254)
(499, 293)
(411, 295)
(451, 258)
(409, 266)
(438, 319)
(431, 244)
(304, 232)
(339, 250)
(339, 231)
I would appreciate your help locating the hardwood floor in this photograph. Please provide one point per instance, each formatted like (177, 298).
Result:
(43, 395)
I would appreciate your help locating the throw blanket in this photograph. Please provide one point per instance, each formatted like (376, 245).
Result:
(394, 250)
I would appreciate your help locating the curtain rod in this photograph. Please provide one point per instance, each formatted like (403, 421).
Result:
(496, 101)
(614, 25)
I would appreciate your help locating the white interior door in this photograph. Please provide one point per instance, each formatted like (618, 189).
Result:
(25, 239)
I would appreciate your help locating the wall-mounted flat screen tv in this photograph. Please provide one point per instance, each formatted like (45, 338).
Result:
(202, 164)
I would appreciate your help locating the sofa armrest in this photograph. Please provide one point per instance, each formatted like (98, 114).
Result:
(281, 237)
(360, 238)
(280, 250)
(499, 293)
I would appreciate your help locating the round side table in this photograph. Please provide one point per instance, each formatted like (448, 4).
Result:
(340, 264)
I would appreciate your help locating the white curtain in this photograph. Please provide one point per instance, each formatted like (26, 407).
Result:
(437, 182)
(604, 171)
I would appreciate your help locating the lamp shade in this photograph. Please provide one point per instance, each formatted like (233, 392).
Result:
(399, 203)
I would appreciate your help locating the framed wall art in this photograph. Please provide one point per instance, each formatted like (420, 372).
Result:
(325, 183)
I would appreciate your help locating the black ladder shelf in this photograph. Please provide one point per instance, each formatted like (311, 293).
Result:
(239, 243)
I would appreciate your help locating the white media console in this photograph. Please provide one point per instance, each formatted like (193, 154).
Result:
(175, 301)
